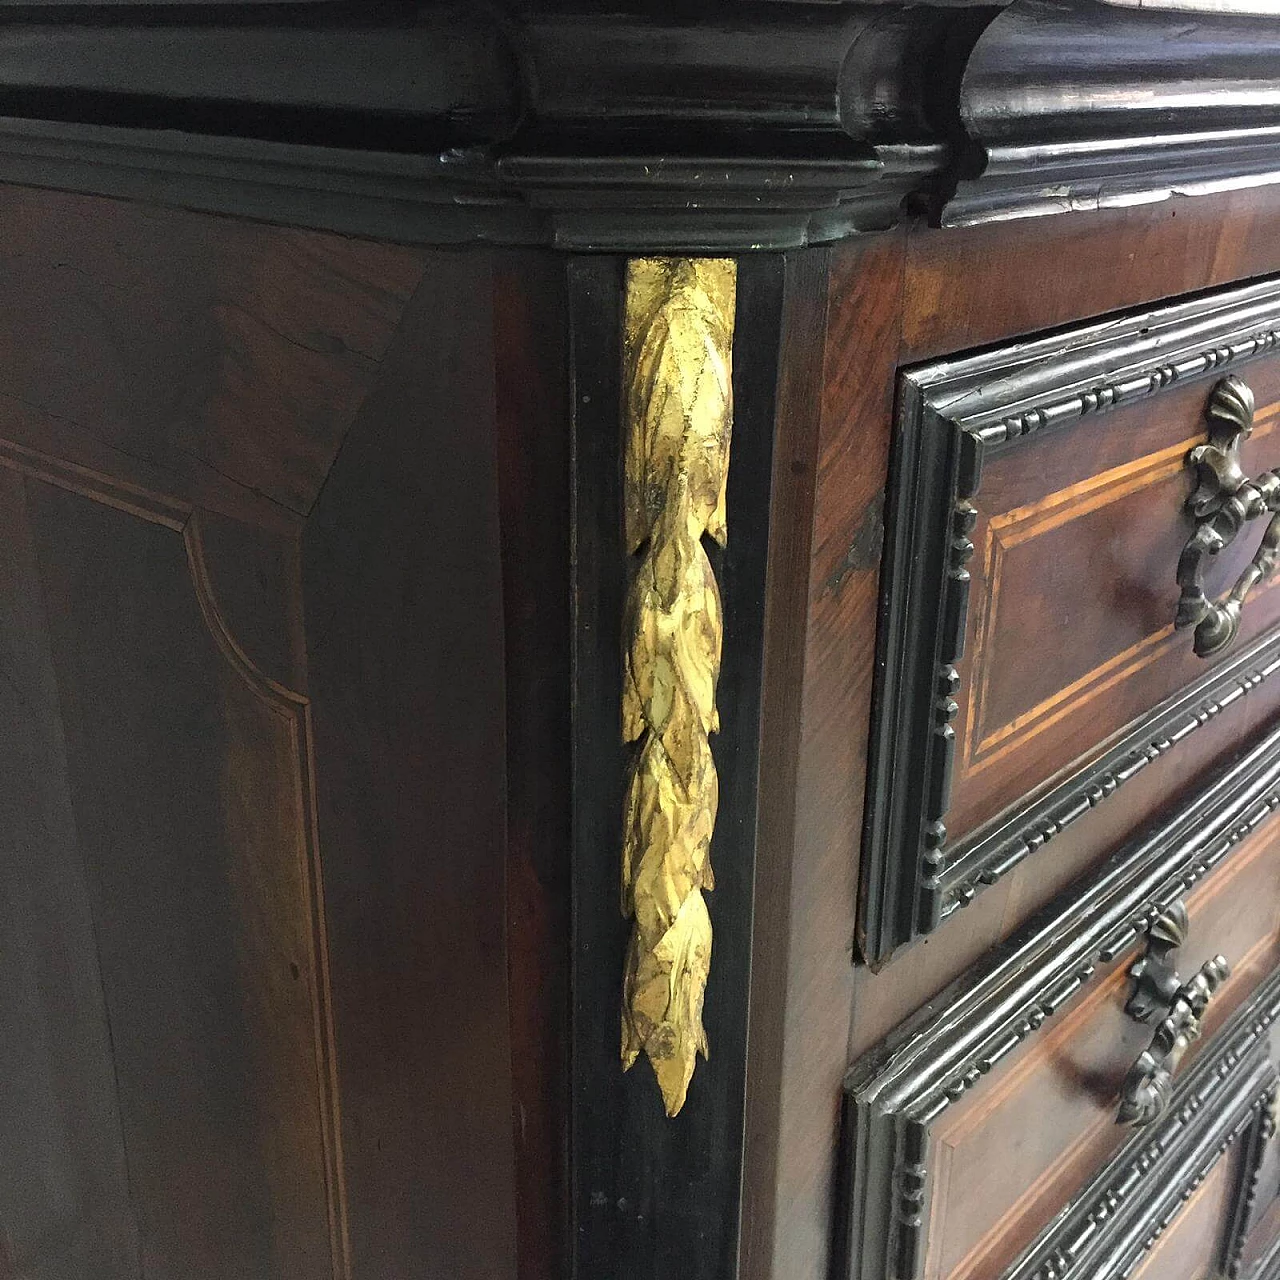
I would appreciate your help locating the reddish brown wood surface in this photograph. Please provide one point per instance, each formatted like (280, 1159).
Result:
(205, 356)
(530, 343)
(830, 469)
(1012, 1152)
(972, 286)
(1191, 1245)
(884, 999)
(1073, 594)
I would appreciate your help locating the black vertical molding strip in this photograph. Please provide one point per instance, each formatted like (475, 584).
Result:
(655, 1198)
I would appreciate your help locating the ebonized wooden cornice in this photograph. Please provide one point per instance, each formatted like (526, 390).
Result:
(771, 125)
(683, 127)
(1076, 104)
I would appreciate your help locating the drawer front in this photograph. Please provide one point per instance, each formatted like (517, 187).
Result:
(1031, 665)
(1180, 1199)
(973, 1126)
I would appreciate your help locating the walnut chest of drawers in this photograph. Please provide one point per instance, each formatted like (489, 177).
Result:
(639, 642)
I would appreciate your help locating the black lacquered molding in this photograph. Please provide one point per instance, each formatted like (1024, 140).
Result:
(703, 128)
(1077, 104)
(758, 127)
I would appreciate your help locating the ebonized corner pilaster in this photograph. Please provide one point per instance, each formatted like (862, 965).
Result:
(653, 1196)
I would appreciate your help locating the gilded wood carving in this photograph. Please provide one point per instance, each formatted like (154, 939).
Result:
(677, 349)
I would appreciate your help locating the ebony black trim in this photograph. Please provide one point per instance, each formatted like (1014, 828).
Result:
(693, 127)
(653, 1196)
(599, 201)
(766, 127)
(1077, 104)
(894, 1094)
(1040, 179)
(952, 414)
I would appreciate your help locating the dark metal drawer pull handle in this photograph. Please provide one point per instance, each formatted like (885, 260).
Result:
(1148, 1085)
(1224, 502)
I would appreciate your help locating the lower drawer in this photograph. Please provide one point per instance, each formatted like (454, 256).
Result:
(1181, 1199)
(973, 1126)
(1258, 1257)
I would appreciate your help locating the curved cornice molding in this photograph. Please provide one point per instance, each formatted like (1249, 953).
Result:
(1077, 104)
(703, 128)
(770, 126)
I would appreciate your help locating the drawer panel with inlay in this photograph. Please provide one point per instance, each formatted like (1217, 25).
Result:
(1181, 1199)
(1081, 539)
(972, 1127)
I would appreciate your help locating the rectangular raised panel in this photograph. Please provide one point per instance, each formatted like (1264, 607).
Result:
(973, 1126)
(1030, 664)
(1086, 563)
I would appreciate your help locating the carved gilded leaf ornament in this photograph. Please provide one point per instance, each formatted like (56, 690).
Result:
(678, 340)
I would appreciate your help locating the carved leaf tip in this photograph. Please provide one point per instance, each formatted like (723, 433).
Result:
(678, 397)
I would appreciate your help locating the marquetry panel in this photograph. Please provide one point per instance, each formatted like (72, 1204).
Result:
(1076, 565)
(1079, 574)
(163, 895)
(974, 1126)
(1031, 663)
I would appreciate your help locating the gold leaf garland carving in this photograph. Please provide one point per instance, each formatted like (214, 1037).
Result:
(678, 340)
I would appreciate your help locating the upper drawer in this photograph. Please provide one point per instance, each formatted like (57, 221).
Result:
(1030, 662)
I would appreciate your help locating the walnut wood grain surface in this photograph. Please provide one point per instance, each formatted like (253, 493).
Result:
(254, 1005)
(212, 357)
(1015, 1149)
(1070, 633)
(831, 465)
(975, 285)
(958, 289)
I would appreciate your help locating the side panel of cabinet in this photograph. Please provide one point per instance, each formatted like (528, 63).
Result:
(254, 991)
(403, 597)
(188, 798)
(64, 1178)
